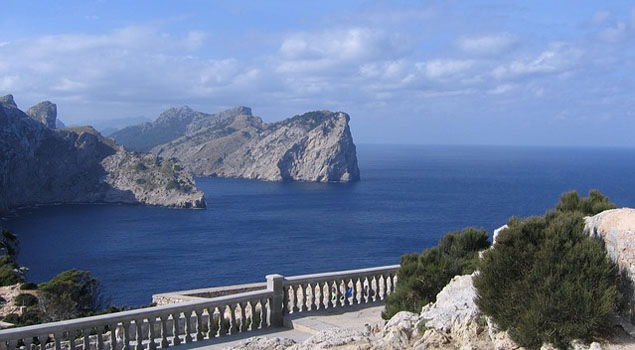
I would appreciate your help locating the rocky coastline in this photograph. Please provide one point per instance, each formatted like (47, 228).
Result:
(315, 146)
(41, 164)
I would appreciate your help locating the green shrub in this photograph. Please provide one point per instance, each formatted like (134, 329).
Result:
(70, 294)
(545, 280)
(28, 318)
(25, 300)
(422, 276)
(595, 203)
(28, 286)
(9, 276)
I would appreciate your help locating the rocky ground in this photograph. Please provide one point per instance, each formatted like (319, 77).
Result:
(453, 322)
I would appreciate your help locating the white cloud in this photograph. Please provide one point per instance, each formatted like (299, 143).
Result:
(351, 45)
(443, 68)
(554, 60)
(501, 89)
(487, 45)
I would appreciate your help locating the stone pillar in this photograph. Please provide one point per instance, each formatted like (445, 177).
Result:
(274, 284)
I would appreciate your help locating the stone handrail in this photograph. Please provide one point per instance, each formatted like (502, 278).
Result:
(148, 328)
(197, 320)
(338, 289)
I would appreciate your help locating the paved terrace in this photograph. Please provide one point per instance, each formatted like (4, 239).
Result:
(295, 307)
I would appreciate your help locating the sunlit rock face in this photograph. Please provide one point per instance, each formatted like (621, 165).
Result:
(316, 146)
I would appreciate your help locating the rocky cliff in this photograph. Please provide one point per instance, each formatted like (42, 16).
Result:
(615, 228)
(39, 165)
(315, 146)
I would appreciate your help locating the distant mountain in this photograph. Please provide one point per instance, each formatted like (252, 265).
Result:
(40, 165)
(315, 146)
(109, 126)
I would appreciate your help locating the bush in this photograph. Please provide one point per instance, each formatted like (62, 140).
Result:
(28, 286)
(595, 203)
(9, 276)
(546, 281)
(28, 317)
(422, 276)
(25, 300)
(70, 294)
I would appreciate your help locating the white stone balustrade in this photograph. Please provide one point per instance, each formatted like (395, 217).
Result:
(203, 319)
(313, 292)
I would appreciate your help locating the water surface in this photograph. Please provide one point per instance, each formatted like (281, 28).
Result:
(409, 196)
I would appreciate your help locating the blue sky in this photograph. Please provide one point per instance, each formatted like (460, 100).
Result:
(415, 72)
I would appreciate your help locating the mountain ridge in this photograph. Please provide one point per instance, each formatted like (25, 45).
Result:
(315, 146)
(43, 165)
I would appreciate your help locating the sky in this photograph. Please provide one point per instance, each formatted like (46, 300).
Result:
(407, 72)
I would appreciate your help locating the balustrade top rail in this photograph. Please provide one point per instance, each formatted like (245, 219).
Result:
(326, 276)
(129, 315)
(169, 325)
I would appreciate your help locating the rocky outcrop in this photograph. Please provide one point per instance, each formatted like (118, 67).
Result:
(316, 146)
(44, 112)
(615, 228)
(40, 165)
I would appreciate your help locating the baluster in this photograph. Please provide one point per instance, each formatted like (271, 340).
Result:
(326, 295)
(317, 296)
(264, 315)
(286, 300)
(333, 294)
(175, 328)
(302, 297)
(296, 297)
(222, 326)
(58, 341)
(42, 339)
(374, 287)
(342, 292)
(100, 337)
(152, 334)
(211, 328)
(381, 289)
(86, 342)
(113, 336)
(349, 296)
(249, 325)
(358, 291)
(71, 340)
(27, 343)
(243, 318)
(188, 326)
(233, 328)
(311, 297)
(164, 331)
(392, 286)
(199, 325)
(139, 334)
(12, 344)
(126, 335)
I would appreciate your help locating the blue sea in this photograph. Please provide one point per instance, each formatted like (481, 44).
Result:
(409, 196)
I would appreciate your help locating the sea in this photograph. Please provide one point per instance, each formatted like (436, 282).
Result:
(408, 197)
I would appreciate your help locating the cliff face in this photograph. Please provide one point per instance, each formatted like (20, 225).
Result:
(39, 165)
(315, 146)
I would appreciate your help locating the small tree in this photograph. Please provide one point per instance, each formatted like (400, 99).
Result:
(70, 294)
(422, 276)
(545, 280)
